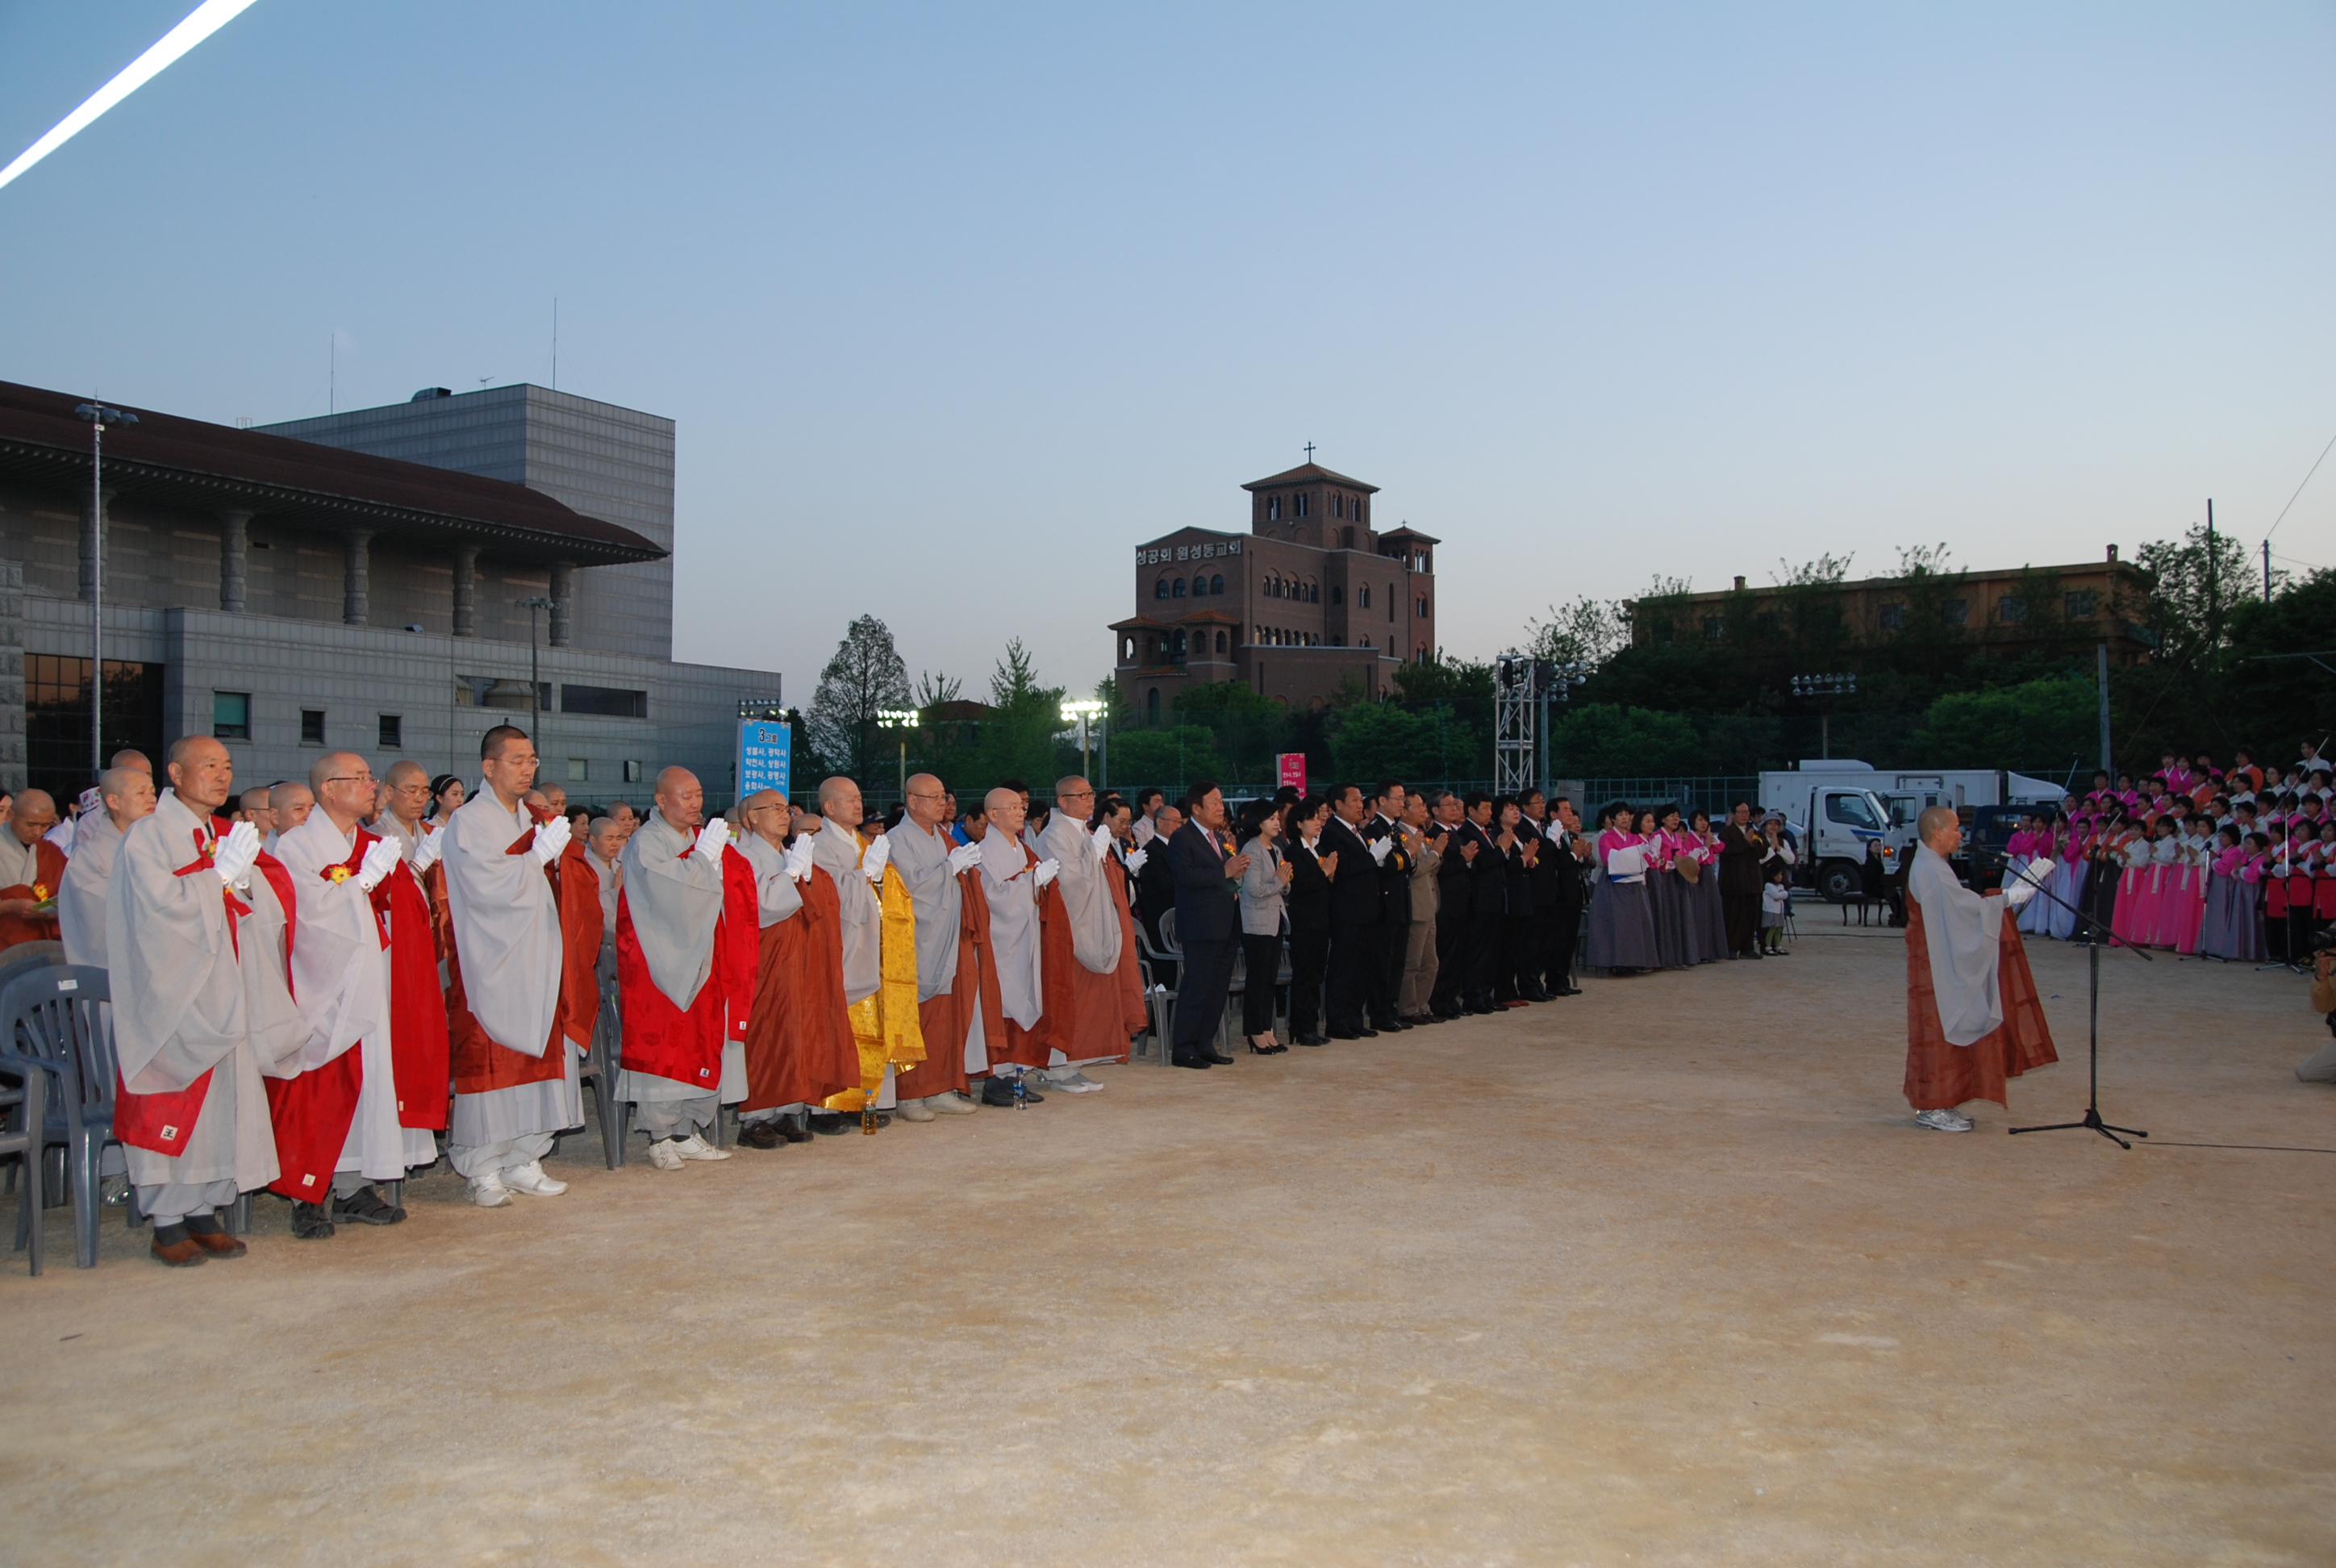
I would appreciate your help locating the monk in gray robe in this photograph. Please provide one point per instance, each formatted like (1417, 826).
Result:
(201, 1009)
(836, 849)
(125, 795)
(778, 896)
(669, 918)
(929, 859)
(1012, 877)
(1090, 1007)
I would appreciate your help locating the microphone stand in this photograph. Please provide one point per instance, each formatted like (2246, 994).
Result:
(2092, 1118)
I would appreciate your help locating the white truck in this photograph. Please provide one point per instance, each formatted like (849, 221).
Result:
(1837, 806)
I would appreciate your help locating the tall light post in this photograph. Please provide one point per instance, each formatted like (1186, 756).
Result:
(903, 719)
(99, 417)
(1080, 713)
(1825, 688)
(534, 683)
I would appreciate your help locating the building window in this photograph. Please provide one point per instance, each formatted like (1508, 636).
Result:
(1217, 582)
(1222, 645)
(1273, 509)
(1179, 651)
(56, 717)
(1362, 597)
(1314, 593)
(632, 770)
(1338, 594)
(2011, 609)
(1390, 599)
(1127, 651)
(1955, 612)
(2079, 606)
(608, 701)
(1347, 539)
(312, 726)
(1177, 591)
(1419, 608)
(393, 732)
(1715, 628)
(579, 769)
(231, 714)
(1892, 617)
(1151, 704)
(1160, 588)
(1298, 505)
(1338, 505)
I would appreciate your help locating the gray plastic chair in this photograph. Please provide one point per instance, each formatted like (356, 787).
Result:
(59, 1025)
(1175, 953)
(599, 1068)
(24, 1115)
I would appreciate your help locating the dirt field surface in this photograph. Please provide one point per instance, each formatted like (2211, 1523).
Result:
(1662, 1273)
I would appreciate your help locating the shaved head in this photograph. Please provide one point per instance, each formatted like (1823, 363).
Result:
(37, 814)
(680, 799)
(128, 793)
(839, 801)
(291, 803)
(131, 759)
(1004, 811)
(1940, 825)
(202, 773)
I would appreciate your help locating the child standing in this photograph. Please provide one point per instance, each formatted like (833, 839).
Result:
(1776, 904)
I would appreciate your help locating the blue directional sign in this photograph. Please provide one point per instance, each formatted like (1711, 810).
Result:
(766, 753)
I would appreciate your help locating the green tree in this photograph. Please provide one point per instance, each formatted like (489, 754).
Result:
(1604, 740)
(1171, 758)
(2038, 725)
(865, 677)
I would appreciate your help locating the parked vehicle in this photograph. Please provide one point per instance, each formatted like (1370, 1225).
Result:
(1837, 806)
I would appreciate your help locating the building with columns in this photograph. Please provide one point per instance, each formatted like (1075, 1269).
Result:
(370, 580)
(1312, 597)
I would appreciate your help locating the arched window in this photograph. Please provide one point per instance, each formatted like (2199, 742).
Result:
(1337, 506)
(1273, 509)
(1217, 582)
(1152, 705)
(1178, 591)
(1338, 594)
(1127, 651)
(1160, 588)
(1180, 646)
(1346, 538)
(1390, 602)
(1419, 608)
(1362, 597)
(1220, 642)
(1314, 593)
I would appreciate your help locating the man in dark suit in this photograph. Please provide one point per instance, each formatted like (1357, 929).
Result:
(1155, 889)
(1208, 925)
(1454, 898)
(1488, 903)
(1570, 852)
(1355, 902)
(1385, 980)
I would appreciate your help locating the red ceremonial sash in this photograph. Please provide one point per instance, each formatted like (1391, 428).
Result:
(661, 1039)
(163, 1122)
(312, 1113)
(737, 943)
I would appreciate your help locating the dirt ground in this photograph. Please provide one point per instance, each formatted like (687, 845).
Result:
(1658, 1274)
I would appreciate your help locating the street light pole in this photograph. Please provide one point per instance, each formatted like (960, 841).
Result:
(1825, 688)
(902, 719)
(1080, 712)
(99, 417)
(534, 675)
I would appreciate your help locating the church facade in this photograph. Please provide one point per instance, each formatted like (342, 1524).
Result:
(1312, 597)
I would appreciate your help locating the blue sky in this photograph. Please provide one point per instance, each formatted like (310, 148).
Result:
(956, 304)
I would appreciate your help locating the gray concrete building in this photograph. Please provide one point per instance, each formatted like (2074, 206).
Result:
(357, 581)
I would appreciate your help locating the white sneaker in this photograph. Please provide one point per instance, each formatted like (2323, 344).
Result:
(1944, 1120)
(913, 1111)
(1078, 1083)
(952, 1104)
(530, 1179)
(489, 1191)
(663, 1155)
(694, 1147)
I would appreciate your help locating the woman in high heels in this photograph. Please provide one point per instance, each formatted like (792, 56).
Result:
(1262, 919)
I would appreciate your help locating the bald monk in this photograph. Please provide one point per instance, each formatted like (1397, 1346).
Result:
(799, 1048)
(125, 795)
(1092, 998)
(252, 807)
(32, 869)
(879, 986)
(201, 1009)
(669, 916)
(515, 1083)
(1013, 877)
(928, 861)
(338, 1127)
(1972, 1016)
(405, 801)
(289, 802)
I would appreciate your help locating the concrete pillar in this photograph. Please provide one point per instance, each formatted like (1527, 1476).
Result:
(234, 547)
(563, 597)
(357, 577)
(90, 524)
(12, 676)
(466, 590)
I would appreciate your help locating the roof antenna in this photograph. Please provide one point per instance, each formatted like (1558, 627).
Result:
(555, 343)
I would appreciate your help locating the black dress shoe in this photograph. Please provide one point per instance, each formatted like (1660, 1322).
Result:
(1216, 1057)
(763, 1135)
(1350, 1033)
(1483, 1007)
(311, 1223)
(1537, 995)
(1313, 1039)
(1199, 1062)
(1390, 1026)
(828, 1123)
(366, 1206)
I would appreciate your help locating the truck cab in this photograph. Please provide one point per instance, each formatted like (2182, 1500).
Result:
(1834, 824)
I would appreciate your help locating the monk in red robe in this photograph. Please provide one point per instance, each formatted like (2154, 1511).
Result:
(799, 1045)
(32, 869)
(1973, 1018)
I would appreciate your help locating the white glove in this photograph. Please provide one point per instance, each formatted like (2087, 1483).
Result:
(428, 848)
(1379, 848)
(878, 856)
(964, 858)
(235, 855)
(380, 858)
(2022, 888)
(799, 858)
(553, 837)
(1048, 870)
(1102, 841)
(1136, 859)
(713, 839)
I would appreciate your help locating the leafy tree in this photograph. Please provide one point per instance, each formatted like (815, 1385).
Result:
(864, 677)
(1588, 631)
(1602, 740)
(1170, 757)
(2039, 726)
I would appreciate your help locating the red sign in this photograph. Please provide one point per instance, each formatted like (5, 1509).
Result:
(1291, 766)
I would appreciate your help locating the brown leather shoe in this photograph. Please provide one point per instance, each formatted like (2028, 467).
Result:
(182, 1253)
(219, 1243)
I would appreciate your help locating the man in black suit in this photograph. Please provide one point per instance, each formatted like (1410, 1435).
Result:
(1454, 896)
(1394, 929)
(1355, 902)
(1208, 925)
(1488, 903)
(1155, 888)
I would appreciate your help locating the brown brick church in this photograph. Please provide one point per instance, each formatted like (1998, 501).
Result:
(1309, 597)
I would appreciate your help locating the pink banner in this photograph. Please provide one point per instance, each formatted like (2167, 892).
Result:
(1292, 765)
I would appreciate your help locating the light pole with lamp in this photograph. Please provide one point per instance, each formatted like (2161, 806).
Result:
(1825, 688)
(99, 417)
(534, 683)
(1080, 713)
(903, 719)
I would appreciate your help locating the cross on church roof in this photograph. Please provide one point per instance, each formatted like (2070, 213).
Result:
(1309, 451)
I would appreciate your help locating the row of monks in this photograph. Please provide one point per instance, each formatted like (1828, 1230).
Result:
(314, 1012)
